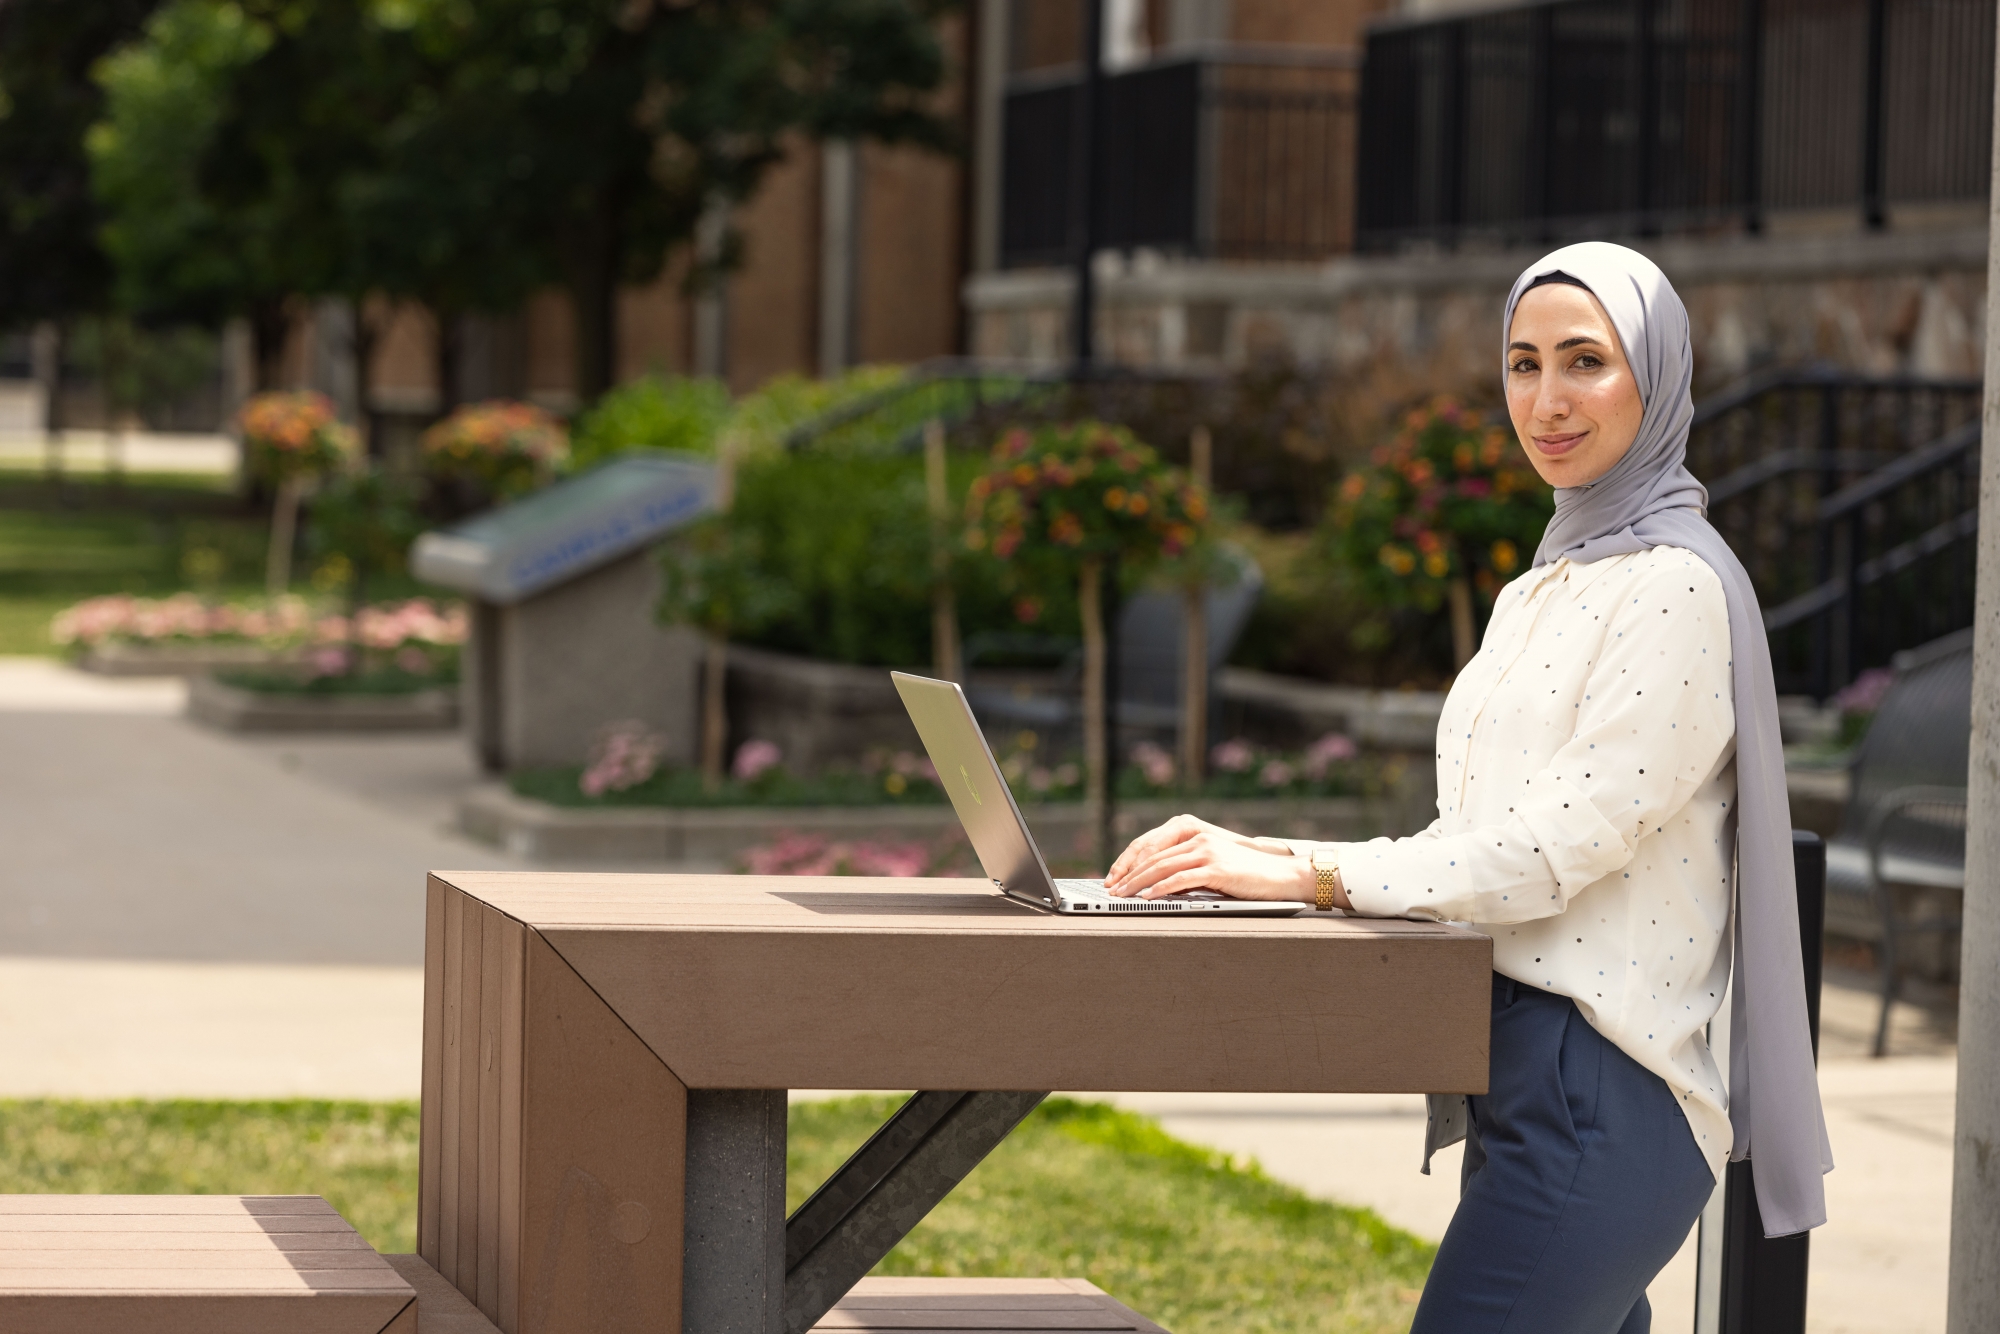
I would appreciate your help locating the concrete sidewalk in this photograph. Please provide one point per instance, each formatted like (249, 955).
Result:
(186, 914)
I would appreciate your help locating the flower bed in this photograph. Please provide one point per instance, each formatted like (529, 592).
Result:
(725, 837)
(282, 647)
(624, 772)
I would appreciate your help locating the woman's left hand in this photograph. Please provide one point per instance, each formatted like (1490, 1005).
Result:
(1186, 853)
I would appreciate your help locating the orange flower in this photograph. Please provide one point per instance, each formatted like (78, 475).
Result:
(1114, 498)
(1138, 504)
(1066, 529)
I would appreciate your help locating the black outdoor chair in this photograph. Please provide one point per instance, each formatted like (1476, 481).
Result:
(1897, 868)
(1151, 630)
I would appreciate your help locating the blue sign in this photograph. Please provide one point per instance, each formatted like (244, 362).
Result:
(508, 555)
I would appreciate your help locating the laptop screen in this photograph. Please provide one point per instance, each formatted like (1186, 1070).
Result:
(978, 792)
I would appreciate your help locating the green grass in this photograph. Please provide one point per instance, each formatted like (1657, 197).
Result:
(361, 1156)
(90, 539)
(1200, 1243)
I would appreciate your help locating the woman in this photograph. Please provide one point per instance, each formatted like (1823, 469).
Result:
(1605, 763)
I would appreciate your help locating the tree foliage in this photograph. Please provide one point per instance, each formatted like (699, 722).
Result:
(459, 154)
(51, 265)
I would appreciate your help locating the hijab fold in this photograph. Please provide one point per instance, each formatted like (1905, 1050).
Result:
(1649, 499)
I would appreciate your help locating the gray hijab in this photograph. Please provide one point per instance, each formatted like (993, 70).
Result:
(1650, 499)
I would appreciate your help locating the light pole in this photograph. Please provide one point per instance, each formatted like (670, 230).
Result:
(1974, 1303)
(1086, 165)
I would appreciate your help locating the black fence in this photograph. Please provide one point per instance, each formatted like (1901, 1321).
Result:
(1224, 159)
(1851, 502)
(1588, 117)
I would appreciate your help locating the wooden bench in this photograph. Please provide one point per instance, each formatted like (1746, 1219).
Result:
(902, 1305)
(192, 1264)
(991, 1305)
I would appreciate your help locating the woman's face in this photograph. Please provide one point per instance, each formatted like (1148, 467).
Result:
(1570, 390)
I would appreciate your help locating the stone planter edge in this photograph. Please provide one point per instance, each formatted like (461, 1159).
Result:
(232, 709)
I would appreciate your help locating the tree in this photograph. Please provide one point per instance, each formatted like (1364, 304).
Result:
(618, 127)
(1072, 505)
(51, 265)
(179, 255)
(1442, 515)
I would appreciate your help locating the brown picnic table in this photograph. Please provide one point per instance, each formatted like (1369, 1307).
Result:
(606, 1060)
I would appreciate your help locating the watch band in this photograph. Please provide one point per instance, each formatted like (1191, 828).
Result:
(1326, 879)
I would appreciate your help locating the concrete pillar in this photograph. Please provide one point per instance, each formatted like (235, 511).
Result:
(711, 298)
(733, 1277)
(839, 215)
(1974, 1306)
(989, 92)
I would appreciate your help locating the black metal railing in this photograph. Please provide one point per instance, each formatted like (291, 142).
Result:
(1595, 117)
(1784, 456)
(1897, 555)
(1230, 159)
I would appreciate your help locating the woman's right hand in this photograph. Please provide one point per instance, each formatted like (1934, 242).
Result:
(1186, 853)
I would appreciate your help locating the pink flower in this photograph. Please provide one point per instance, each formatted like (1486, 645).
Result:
(331, 660)
(815, 854)
(1864, 694)
(1154, 763)
(626, 755)
(1276, 773)
(1332, 747)
(754, 758)
(1233, 757)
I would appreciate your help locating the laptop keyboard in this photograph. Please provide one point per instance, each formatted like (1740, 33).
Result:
(1093, 891)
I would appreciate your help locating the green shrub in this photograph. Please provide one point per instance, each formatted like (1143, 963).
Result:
(675, 412)
(828, 555)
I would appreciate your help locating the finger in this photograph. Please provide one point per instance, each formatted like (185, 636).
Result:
(1167, 869)
(1197, 877)
(1147, 845)
(1139, 848)
(1145, 872)
(1154, 867)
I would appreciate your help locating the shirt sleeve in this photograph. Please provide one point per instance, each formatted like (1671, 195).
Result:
(1656, 717)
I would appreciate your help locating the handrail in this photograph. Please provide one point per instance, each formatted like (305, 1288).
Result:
(1815, 374)
(1907, 468)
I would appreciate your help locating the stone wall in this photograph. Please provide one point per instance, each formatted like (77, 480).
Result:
(1899, 301)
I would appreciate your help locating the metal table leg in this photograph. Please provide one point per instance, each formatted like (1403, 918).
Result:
(747, 1269)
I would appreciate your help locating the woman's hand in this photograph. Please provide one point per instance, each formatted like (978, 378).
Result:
(1186, 853)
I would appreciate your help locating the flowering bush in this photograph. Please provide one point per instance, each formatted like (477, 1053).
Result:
(1058, 495)
(1331, 766)
(398, 645)
(1328, 767)
(503, 448)
(754, 759)
(815, 854)
(180, 619)
(626, 755)
(294, 437)
(1450, 497)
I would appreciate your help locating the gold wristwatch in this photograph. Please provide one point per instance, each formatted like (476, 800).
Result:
(1326, 879)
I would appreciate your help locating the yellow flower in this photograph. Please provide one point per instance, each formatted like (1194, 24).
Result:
(1505, 556)
(1436, 564)
(1114, 498)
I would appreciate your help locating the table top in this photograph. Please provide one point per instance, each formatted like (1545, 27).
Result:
(849, 982)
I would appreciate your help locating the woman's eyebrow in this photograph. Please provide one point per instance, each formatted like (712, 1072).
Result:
(1578, 341)
(1522, 347)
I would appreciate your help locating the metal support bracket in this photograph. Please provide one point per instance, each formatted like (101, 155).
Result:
(885, 1189)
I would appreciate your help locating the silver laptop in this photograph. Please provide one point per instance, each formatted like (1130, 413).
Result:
(999, 835)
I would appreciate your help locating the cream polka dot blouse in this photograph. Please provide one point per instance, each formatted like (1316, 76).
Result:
(1586, 785)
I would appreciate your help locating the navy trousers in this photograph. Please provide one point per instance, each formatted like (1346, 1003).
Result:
(1581, 1180)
